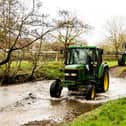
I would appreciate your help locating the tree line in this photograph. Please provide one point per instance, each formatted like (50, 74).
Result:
(22, 28)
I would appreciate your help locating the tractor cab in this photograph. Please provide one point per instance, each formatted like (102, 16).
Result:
(122, 55)
(83, 55)
(89, 57)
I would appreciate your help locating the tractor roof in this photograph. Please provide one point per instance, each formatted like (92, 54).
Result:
(81, 46)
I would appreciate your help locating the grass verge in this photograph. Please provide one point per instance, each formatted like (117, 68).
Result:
(51, 70)
(111, 63)
(112, 113)
(44, 70)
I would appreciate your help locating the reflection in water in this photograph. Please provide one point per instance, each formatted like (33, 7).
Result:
(72, 107)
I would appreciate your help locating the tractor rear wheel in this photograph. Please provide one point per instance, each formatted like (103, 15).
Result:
(105, 81)
(90, 94)
(121, 62)
(55, 89)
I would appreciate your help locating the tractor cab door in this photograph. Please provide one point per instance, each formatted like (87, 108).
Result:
(96, 61)
(92, 62)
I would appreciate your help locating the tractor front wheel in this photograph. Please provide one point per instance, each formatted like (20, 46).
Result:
(90, 94)
(55, 89)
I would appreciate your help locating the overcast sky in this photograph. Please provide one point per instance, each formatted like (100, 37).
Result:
(95, 12)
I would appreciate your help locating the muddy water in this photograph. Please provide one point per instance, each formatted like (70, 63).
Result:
(22, 103)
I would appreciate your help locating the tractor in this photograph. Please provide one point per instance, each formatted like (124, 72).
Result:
(84, 71)
(122, 56)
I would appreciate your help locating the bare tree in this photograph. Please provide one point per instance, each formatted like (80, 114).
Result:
(17, 26)
(44, 24)
(71, 28)
(18, 23)
(116, 33)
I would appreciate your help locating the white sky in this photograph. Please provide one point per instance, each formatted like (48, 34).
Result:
(96, 12)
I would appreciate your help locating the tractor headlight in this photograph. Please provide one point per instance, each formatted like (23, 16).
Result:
(66, 74)
(73, 74)
(87, 67)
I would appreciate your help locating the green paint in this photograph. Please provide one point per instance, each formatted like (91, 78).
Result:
(74, 66)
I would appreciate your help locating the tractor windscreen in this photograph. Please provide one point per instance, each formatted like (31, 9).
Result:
(79, 56)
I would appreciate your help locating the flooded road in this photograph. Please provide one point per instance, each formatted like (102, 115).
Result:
(31, 101)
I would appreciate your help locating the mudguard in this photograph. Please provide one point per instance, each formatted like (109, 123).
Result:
(101, 69)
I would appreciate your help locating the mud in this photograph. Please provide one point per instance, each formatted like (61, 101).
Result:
(29, 104)
(115, 72)
(42, 123)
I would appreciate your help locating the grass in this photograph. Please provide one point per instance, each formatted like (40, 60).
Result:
(47, 70)
(112, 113)
(111, 63)
(25, 66)
(52, 70)
(44, 70)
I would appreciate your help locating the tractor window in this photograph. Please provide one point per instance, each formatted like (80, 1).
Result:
(79, 56)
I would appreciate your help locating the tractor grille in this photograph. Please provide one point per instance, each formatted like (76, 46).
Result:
(71, 75)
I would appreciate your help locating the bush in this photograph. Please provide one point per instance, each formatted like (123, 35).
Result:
(52, 70)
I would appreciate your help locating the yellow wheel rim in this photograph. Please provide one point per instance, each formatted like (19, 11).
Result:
(93, 94)
(106, 82)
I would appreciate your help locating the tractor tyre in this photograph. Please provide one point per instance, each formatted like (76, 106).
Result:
(90, 94)
(105, 81)
(55, 89)
(121, 62)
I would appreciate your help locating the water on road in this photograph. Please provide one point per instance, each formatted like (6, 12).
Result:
(31, 101)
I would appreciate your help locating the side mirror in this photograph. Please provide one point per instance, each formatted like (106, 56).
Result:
(101, 51)
(61, 51)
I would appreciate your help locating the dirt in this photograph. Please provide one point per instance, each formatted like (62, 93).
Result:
(123, 74)
(29, 104)
(118, 71)
(42, 123)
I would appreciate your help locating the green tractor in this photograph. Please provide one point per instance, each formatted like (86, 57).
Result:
(84, 71)
(122, 56)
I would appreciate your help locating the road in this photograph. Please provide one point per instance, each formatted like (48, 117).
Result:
(31, 101)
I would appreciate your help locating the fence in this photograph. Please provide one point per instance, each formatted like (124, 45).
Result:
(109, 57)
(46, 56)
(43, 56)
